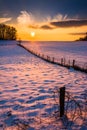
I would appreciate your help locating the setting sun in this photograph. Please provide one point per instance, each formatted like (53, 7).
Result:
(32, 34)
(43, 64)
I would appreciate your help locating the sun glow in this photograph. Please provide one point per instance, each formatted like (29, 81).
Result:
(32, 34)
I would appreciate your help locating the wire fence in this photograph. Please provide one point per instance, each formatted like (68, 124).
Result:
(75, 116)
(59, 61)
(74, 111)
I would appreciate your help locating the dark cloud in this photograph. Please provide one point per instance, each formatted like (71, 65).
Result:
(65, 24)
(46, 27)
(69, 23)
(80, 33)
(33, 26)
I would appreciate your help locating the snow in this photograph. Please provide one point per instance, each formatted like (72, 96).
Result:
(69, 50)
(27, 85)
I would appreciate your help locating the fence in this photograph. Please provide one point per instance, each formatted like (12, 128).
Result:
(68, 112)
(60, 61)
(71, 110)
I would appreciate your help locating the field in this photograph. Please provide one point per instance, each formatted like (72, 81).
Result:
(28, 85)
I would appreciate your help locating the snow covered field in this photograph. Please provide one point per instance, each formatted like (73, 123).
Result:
(69, 50)
(27, 85)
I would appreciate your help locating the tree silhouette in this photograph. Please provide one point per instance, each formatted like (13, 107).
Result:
(7, 32)
(84, 38)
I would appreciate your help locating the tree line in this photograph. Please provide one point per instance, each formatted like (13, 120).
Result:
(7, 32)
(84, 38)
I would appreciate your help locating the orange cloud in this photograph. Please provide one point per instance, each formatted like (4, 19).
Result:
(3, 20)
(57, 28)
(25, 18)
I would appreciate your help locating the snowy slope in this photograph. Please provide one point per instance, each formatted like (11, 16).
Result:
(68, 50)
(27, 86)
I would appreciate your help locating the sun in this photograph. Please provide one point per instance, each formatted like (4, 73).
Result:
(32, 34)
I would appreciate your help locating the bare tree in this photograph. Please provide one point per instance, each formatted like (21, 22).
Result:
(7, 32)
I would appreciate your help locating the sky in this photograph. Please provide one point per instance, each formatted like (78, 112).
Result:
(45, 20)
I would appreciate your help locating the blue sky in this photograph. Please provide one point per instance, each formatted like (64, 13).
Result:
(72, 8)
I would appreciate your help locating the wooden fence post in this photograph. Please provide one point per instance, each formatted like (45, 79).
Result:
(47, 57)
(64, 61)
(62, 101)
(73, 63)
(43, 56)
(53, 59)
(69, 63)
(61, 61)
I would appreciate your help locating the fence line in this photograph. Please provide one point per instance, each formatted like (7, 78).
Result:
(63, 62)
